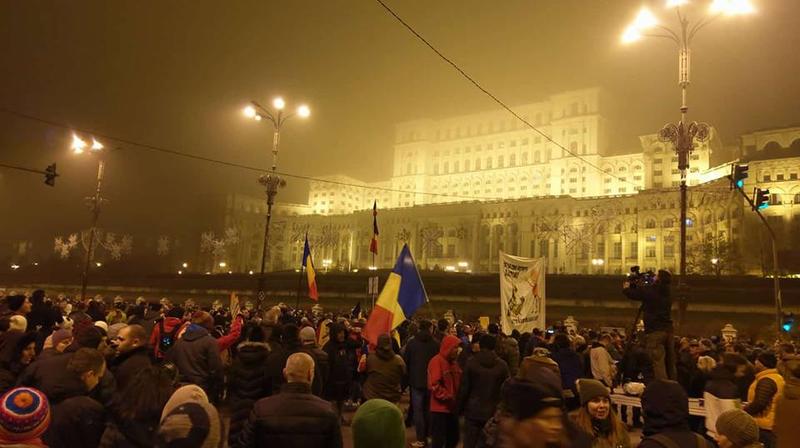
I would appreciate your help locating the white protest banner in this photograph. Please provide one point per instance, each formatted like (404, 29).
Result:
(521, 293)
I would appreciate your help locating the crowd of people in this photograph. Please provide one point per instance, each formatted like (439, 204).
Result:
(117, 373)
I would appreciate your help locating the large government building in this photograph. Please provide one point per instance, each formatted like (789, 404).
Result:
(464, 188)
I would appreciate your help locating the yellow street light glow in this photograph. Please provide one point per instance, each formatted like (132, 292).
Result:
(645, 19)
(96, 146)
(99, 264)
(249, 112)
(732, 7)
(257, 117)
(78, 145)
(278, 103)
(303, 111)
(222, 264)
(631, 35)
(180, 272)
(676, 3)
(185, 265)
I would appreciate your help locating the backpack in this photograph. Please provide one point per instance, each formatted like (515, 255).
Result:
(166, 340)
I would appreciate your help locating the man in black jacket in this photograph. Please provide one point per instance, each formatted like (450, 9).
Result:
(666, 417)
(480, 389)
(293, 418)
(133, 354)
(417, 354)
(657, 308)
(196, 355)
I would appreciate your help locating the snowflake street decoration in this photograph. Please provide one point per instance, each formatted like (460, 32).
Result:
(403, 235)
(231, 236)
(162, 246)
(63, 248)
(209, 242)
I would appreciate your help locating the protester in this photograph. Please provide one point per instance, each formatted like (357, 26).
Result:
(787, 408)
(656, 310)
(136, 411)
(417, 354)
(385, 371)
(189, 420)
(80, 420)
(666, 417)
(479, 392)
(597, 419)
(602, 365)
(378, 423)
(17, 351)
(308, 339)
(294, 418)
(165, 332)
(24, 417)
(763, 395)
(132, 354)
(342, 363)
(533, 414)
(721, 393)
(444, 379)
(507, 348)
(196, 356)
(736, 429)
(247, 377)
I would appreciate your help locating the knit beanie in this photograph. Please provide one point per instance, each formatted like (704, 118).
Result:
(378, 423)
(185, 394)
(102, 325)
(24, 415)
(308, 335)
(589, 389)
(190, 425)
(61, 335)
(524, 399)
(15, 302)
(738, 426)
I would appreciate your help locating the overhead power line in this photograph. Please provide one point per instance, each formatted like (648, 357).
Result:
(494, 98)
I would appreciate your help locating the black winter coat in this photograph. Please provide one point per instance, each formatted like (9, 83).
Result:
(342, 362)
(481, 382)
(247, 383)
(126, 365)
(418, 353)
(294, 418)
(570, 364)
(77, 421)
(196, 355)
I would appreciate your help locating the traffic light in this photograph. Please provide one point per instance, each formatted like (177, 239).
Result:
(760, 199)
(787, 323)
(738, 175)
(50, 175)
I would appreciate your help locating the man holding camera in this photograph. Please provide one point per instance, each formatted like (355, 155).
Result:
(656, 308)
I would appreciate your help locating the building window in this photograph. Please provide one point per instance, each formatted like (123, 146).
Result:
(477, 164)
(512, 160)
(435, 168)
(455, 166)
(779, 177)
(500, 162)
(544, 246)
(650, 252)
(466, 165)
(767, 178)
(446, 168)
(617, 253)
(669, 250)
(634, 253)
(489, 163)
(775, 199)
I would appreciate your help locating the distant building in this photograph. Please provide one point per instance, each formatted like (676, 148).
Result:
(465, 188)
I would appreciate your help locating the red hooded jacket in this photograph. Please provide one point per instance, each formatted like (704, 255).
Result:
(444, 377)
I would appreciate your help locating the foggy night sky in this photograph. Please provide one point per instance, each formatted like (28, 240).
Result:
(177, 73)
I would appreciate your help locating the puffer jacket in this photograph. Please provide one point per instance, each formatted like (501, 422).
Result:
(247, 383)
(198, 361)
(444, 378)
(342, 363)
(483, 378)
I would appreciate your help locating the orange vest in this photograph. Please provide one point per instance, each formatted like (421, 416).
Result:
(766, 420)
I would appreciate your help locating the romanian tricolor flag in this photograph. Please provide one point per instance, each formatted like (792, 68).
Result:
(308, 264)
(402, 294)
(373, 244)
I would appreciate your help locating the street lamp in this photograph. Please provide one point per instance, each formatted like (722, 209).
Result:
(79, 147)
(683, 134)
(271, 181)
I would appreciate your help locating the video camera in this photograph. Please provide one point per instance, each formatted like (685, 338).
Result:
(637, 278)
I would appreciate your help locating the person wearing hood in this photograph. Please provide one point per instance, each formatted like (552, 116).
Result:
(342, 365)
(165, 332)
(479, 393)
(247, 377)
(17, 351)
(597, 419)
(188, 419)
(385, 371)
(43, 316)
(18, 305)
(198, 361)
(378, 423)
(665, 406)
(736, 429)
(444, 379)
(787, 408)
(721, 393)
(417, 354)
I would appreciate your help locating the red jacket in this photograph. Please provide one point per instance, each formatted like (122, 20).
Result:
(444, 377)
(170, 323)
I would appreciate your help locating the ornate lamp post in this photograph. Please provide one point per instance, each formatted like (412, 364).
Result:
(683, 134)
(94, 203)
(271, 181)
